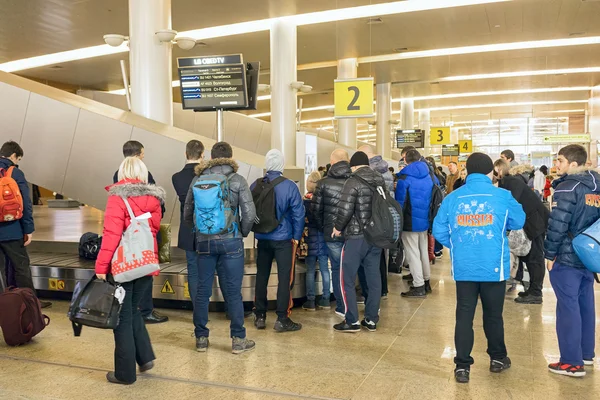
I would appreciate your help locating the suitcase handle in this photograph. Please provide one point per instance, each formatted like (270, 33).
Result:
(46, 319)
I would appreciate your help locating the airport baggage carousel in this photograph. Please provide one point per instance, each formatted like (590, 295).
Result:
(57, 267)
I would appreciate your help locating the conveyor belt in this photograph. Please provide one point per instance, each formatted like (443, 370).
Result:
(61, 271)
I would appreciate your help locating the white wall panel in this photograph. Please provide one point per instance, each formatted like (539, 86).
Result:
(47, 138)
(13, 107)
(249, 133)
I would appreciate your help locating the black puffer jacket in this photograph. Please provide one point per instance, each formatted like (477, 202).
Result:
(355, 206)
(537, 214)
(326, 198)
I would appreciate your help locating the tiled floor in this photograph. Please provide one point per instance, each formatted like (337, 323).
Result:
(410, 356)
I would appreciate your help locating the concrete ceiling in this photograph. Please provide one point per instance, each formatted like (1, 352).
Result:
(36, 27)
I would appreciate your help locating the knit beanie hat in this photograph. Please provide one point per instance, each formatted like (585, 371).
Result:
(359, 158)
(274, 161)
(479, 163)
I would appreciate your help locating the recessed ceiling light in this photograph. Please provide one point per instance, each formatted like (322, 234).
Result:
(374, 21)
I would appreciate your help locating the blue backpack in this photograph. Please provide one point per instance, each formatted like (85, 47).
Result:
(213, 212)
(587, 247)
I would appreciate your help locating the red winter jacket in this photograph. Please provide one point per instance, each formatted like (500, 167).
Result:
(142, 198)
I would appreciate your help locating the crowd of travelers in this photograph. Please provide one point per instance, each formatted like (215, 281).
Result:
(475, 211)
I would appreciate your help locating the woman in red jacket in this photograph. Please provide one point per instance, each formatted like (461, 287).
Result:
(132, 342)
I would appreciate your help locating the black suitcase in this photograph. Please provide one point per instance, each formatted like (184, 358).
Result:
(396, 260)
(96, 303)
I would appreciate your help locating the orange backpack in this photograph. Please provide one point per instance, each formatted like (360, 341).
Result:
(11, 201)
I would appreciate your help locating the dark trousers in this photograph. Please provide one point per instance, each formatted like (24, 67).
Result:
(16, 253)
(283, 251)
(226, 255)
(132, 342)
(492, 302)
(146, 303)
(536, 266)
(383, 269)
(575, 313)
(335, 255)
(356, 253)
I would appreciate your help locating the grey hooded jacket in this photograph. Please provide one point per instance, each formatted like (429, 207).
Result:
(378, 164)
(240, 196)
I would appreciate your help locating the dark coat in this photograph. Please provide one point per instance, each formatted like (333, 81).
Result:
(239, 193)
(150, 178)
(182, 181)
(356, 202)
(537, 214)
(413, 192)
(457, 184)
(314, 240)
(16, 230)
(577, 207)
(289, 203)
(326, 199)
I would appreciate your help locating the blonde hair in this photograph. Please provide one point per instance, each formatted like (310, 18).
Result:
(311, 181)
(503, 168)
(133, 168)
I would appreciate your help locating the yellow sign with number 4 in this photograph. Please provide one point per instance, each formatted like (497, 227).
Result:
(439, 135)
(465, 146)
(353, 98)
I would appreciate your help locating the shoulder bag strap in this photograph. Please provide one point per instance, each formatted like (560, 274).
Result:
(373, 189)
(9, 171)
(131, 214)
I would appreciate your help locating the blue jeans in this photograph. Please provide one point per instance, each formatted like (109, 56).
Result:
(575, 313)
(311, 264)
(193, 268)
(334, 249)
(226, 255)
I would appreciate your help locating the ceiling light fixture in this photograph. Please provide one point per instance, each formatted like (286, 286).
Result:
(493, 105)
(342, 14)
(496, 93)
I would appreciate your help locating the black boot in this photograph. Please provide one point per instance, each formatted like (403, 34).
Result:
(415, 292)
(427, 287)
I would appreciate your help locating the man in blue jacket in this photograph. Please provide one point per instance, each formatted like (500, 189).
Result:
(577, 197)
(413, 192)
(473, 222)
(16, 235)
(279, 244)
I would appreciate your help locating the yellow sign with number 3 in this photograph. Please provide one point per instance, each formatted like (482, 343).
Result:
(353, 98)
(439, 135)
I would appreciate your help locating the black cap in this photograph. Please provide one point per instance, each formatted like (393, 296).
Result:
(479, 163)
(359, 158)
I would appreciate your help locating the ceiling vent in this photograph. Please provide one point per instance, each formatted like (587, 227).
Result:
(400, 49)
(374, 21)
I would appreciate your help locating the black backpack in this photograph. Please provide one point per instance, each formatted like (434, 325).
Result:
(89, 245)
(437, 196)
(95, 303)
(263, 196)
(384, 229)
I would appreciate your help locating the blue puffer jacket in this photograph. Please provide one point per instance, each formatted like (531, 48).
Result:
(316, 239)
(413, 192)
(473, 222)
(15, 230)
(577, 197)
(289, 202)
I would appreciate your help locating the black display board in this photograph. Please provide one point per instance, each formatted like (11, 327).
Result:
(450, 150)
(410, 137)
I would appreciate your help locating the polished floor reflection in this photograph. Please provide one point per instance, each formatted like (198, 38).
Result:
(410, 356)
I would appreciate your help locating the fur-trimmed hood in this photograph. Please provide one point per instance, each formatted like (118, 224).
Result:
(137, 189)
(223, 166)
(581, 170)
(521, 169)
(585, 175)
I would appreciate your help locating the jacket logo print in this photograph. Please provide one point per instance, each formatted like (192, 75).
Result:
(475, 220)
(592, 200)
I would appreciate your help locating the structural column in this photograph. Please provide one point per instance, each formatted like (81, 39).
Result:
(347, 69)
(425, 124)
(384, 115)
(407, 111)
(283, 96)
(150, 60)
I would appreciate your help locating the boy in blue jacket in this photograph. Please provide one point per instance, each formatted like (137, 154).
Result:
(473, 222)
(577, 197)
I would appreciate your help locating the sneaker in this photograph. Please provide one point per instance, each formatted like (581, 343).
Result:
(439, 255)
(242, 345)
(529, 299)
(427, 287)
(369, 325)
(344, 327)
(340, 314)
(576, 371)
(512, 288)
(309, 305)
(588, 362)
(147, 367)
(45, 304)
(324, 304)
(415, 292)
(155, 318)
(462, 375)
(523, 294)
(201, 344)
(287, 325)
(360, 300)
(260, 322)
(384, 296)
(407, 277)
(498, 366)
